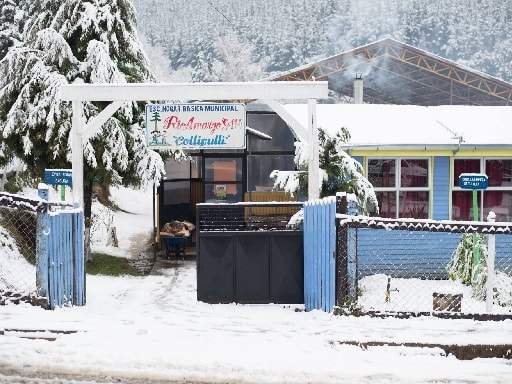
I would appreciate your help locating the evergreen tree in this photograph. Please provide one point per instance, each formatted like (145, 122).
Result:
(339, 171)
(236, 60)
(75, 41)
(10, 14)
(203, 70)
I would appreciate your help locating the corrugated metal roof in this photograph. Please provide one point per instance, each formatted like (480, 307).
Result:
(397, 73)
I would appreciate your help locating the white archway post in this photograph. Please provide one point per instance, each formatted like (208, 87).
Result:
(77, 154)
(313, 165)
(118, 93)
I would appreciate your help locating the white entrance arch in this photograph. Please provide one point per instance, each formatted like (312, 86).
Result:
(269, 92)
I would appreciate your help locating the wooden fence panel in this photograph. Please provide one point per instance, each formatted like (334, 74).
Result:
(64, 258)
(319, 254)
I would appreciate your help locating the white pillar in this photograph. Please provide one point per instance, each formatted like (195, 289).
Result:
(313, 166)
(77, 154)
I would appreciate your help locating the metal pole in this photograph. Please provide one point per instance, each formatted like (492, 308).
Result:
(491, 251)
(476, 252)
(41, 245)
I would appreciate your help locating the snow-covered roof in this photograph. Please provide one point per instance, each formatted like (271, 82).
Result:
(388, 126)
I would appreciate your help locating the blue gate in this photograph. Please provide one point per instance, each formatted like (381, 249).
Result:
(60, 267)
(320, 254)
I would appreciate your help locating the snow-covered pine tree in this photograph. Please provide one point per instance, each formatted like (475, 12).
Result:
(236, 60)
(203, 70)
(75, 41)
(10, 17)
(339, 171)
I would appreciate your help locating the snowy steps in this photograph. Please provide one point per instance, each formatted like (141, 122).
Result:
(35, 334)
(461, 352)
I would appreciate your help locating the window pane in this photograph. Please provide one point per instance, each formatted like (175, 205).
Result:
(196, 167)
(500, 202)
(414, 204)
(381, 172)
(222, 193)
(387, 204)
(413, 173)
(261, 166)
(175, 169)
(223, 169)
(464, 166)
(499, 172)
(462, 205)
(273, 126)
(176, 192)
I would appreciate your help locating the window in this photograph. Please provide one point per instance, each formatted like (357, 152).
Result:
(497, 197)
(223, 179)
(260, 167)
(401, 185)
(276, 151)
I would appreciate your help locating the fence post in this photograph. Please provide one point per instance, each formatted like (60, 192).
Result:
(78, 258)
(352, 263)
(491, 252)
(42, 230)
(346, 252)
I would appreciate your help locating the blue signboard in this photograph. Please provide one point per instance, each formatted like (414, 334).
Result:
(473, 181)
(58, 177)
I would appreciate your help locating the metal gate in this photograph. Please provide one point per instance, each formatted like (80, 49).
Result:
(320, 254)
(60, 264)
(247, 255)
(60, 259)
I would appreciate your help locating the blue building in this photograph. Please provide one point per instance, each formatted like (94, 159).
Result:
(418, 122)
(414, 155)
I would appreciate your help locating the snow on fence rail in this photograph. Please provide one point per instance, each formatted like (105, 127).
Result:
(407, 265)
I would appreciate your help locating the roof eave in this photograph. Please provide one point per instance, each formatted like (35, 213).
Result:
(425, 147)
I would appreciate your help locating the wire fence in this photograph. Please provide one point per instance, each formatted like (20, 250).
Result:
(426, 266)
(36, 248)
(17, 254)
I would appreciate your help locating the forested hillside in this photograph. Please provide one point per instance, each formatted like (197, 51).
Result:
(227, 40)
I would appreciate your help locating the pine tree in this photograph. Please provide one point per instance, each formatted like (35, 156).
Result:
(341, 172)
(9, 33)
(75, 41)
(235, 60)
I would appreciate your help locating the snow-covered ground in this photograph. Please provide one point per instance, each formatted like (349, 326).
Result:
(145, 329)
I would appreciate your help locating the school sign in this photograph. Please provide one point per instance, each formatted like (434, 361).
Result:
(195, 126)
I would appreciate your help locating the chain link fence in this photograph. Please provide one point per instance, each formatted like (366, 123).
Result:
(415, 266)
(17, 254)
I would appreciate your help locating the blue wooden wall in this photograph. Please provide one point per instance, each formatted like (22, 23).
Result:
(416, 254)
(441, 188)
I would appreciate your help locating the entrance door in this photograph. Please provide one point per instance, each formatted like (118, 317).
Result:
(180, 191)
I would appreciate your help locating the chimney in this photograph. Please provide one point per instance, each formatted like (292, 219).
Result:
(358, 89)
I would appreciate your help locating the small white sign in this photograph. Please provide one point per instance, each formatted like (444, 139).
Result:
(195, 126)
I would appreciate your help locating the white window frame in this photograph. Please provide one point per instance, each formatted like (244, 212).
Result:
(397, 188)
(456, 188)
